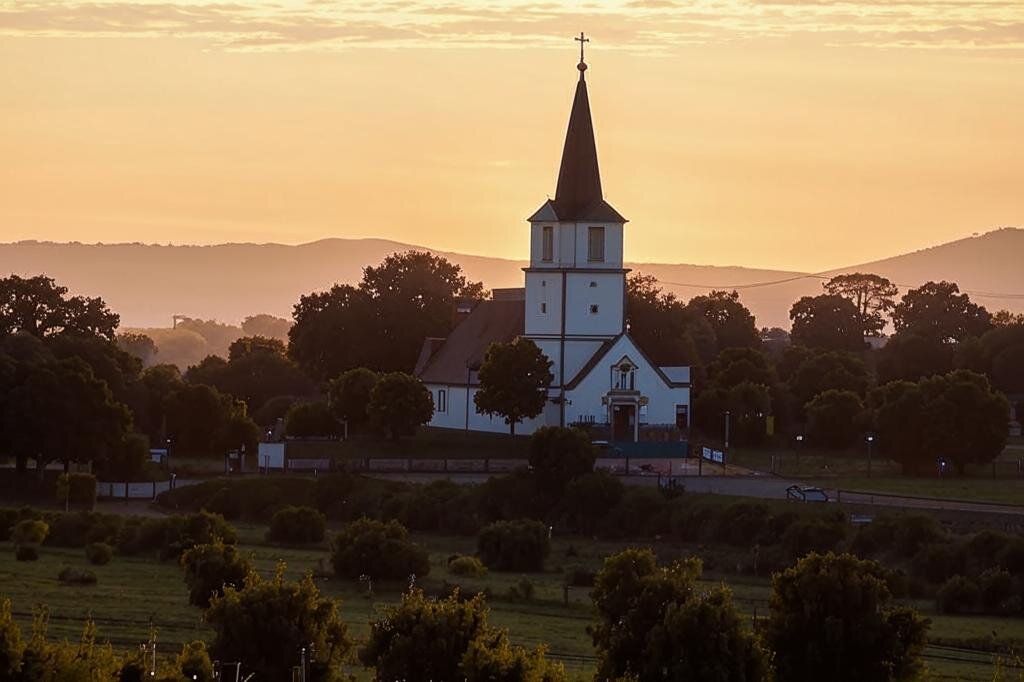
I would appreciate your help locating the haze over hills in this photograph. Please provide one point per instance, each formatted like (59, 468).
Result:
(147, 284)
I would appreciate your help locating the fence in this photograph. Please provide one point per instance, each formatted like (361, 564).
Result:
(144, 490)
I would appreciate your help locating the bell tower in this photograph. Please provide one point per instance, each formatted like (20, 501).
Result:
(576, 282)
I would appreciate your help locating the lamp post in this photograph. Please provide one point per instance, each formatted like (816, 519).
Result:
(870, 441)
(725, 453)
(799, 445)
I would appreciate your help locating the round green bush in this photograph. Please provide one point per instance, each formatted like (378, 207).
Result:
(297, 525)
(379, 550)
(76, 576)
(467, 566)
(98, 553)
(521, 545)
(958, 595)
(26, 552)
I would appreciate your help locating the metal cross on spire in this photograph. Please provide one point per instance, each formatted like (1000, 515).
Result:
(582, 39)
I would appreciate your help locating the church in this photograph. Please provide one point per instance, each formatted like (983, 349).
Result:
(573, 306)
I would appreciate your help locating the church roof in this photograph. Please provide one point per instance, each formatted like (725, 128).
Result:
(456, 360)
(578, 196)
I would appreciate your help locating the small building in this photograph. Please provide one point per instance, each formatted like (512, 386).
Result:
(573, 306)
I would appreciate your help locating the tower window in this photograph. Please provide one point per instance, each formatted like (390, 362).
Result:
(593, 285)
(595, 244)
(442, 400)
(594, 309)
(544, 308)
(548, 244)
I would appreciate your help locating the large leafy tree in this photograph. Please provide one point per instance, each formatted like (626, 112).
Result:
(61, 411)
(399, 404)
(747, 404)
(381, 323)
(267, 622)
(835, 418)
(939, 312)
(660, 323)
(138, 345)
(557, 456)
(823, 370)
(311, 420)
(514, 380)
(654, 623)
(830, 618)
(202, 421)
(733, 366)
(267, 325)
(910, 356)
(39, 306)
(257, 371)
(423, 639)
(210, 567)
(873, 295)
(349, 395)
(828, 322)
(956, 416)
(731, 321)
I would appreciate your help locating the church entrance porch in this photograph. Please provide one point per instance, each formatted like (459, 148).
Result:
(624, 422)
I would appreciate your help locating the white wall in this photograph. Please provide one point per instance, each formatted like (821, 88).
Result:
(543, 287)
(607, 294)
(271, 455)
(571, 244)
(455, 416)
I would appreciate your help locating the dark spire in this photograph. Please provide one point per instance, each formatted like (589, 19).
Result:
(578, 195)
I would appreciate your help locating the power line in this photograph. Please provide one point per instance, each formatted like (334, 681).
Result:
(825, 276)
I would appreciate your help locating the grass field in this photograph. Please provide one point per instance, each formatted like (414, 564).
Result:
(133, 590)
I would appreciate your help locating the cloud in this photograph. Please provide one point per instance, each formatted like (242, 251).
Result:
(637, 25)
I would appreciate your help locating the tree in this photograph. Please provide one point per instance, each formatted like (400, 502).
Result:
(824, 370)
(252, 345)
(399, 404)
(266, 325)
(939, 312)
(218, 336)
(829, 322)
(267, 623)
(836, 418)
(108, 363)
(662, 326)
(311, 420)
(520, 545)
(733, 366)
(39, 306)
(210, 567)
(379, 550)
(830, 618)
(424, 639)
(731, 321)
(138, 345)
(514, 380)
(381, 323)
(202, 421)
(61, 411)
(557, 456)
(349, 395)
(956, 416)
(11, 644)
(911, 357)
(747, 404)
(194, 662)
(590, 497)
(872, 295)
(654, 624)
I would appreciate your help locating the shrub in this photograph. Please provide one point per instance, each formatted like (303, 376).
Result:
(140, 535)
(379, 550)
(30, 532)
(937, 563)
(98, 553)
(985, 548)
(742, 523)
(557, 456)
(184, 532)
(77, 489)
(914, 531)
(521, 545)
(996, 587)
(642, 512)
(590, 497)
(209, 568)
(77, 529)
(297, 525)
(813, 535)
(958, 595)
(522, 589)
(875, 537)
(8, 517)
(581, 577)
(76, 576)
(1012, 557)
(467, 566)
(692, 517)
(26, 552)
(515, 496)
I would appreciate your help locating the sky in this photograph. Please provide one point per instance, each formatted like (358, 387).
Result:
(795, 134)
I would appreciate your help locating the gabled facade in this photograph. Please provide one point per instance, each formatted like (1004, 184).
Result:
(573, 307)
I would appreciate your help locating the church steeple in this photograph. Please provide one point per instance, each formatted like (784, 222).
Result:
(578, 196)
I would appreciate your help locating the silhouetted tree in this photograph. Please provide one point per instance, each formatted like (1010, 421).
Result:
(873, 296)
(514, 380)
(731, 321)
(350, 396)
(267, 325)
(835, 418)
(39, 306)
(138, 345)
(311, 420)
(557, 456)
(399, 404)
(828, 322)
(939, 312)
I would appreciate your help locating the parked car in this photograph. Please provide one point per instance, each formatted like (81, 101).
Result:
(806, 493)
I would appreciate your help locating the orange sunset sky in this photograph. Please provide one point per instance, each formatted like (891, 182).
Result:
(786, 133)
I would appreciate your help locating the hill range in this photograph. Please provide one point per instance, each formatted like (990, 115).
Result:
(147, 284)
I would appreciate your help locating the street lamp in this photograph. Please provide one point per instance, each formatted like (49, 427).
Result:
(870, 441)
(799, 445)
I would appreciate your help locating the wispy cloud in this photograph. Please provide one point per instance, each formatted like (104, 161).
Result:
(637, 25)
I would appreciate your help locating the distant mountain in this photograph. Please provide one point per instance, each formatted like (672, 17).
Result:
(148, 283)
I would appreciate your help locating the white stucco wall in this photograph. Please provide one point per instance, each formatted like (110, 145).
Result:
(571, 243)
(455, 416)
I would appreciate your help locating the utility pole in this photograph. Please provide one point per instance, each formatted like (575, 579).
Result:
(870, 440)
(725, 452)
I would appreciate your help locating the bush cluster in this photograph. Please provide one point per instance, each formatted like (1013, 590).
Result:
(380, 551)
(297, 525)
(468, 566)
(98, 553)
(520, 545)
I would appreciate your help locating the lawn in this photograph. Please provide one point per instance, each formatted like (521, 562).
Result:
(133, 590)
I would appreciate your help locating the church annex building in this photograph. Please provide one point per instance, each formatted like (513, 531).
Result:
(573, 307)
